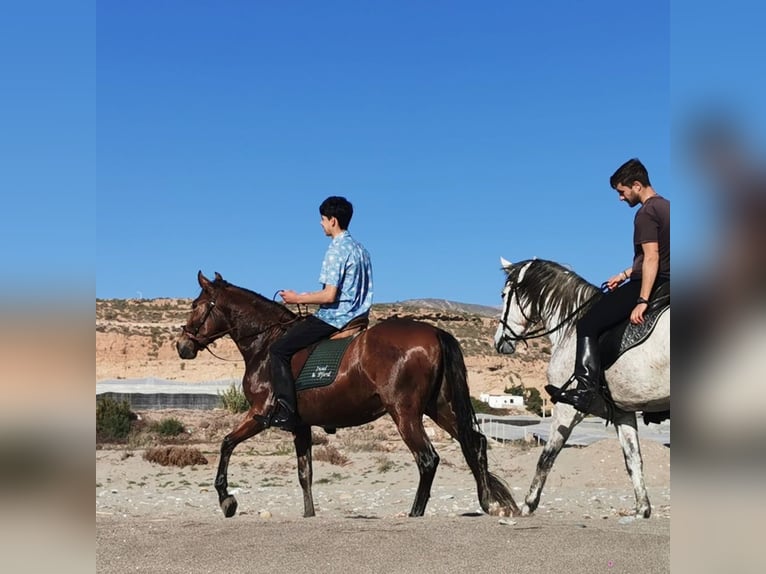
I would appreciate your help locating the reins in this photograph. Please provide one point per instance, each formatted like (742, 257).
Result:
(218, 335)
(542, 332)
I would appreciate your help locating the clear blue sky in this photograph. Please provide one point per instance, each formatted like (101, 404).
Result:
(460, 131)
(210, 132)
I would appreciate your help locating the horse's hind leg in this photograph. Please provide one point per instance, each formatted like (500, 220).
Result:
(305, 472)
(565, 418)
(414, 435)
(494, 496)
(628, 435)
(246, 429)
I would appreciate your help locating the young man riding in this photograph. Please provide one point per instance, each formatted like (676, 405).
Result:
(346, 294)
(629, 290)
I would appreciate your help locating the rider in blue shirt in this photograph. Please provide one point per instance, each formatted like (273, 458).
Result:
(346, 294)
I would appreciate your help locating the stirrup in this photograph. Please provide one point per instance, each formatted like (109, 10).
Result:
(556, 392)
(580, 399)
(587, 401)
(280, 416)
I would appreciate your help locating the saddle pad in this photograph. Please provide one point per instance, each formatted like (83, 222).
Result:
(626, 335)
(322, 365)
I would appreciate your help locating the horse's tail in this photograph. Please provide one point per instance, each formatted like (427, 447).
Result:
(494, 495)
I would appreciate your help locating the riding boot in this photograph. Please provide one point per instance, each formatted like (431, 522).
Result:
(283, 414)
(586, 397)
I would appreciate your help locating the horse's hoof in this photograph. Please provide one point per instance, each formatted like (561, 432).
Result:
(644, 512)
(229, 506)
(526, 510)
(496, 509)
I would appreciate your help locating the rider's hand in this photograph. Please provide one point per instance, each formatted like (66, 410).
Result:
(615, 281)
(289, 296)
(637, 316)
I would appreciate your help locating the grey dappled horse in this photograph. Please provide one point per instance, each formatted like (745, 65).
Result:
(539, 292)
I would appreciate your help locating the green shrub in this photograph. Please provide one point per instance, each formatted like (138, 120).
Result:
(168, 427)
(534, 401)
(234, 400)
(532, 398)
(112, 419)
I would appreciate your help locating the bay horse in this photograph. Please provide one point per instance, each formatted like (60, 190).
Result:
(539, 292)
(401, 367)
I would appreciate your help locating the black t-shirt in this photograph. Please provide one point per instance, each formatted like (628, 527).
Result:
(652, 224)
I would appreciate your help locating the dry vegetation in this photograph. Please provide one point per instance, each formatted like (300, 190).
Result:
(174, 456)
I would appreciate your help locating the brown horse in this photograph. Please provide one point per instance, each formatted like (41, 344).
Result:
(401, 367)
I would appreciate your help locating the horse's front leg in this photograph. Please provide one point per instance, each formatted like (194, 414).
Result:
(565, 418)
(628, 435)
(302, 443)
(247, 428)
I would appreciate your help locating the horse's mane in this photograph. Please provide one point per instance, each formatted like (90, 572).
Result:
(252, 301)
(550, 288)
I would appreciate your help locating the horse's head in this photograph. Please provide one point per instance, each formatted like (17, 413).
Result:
(206, 322)
(540, 298)
(518, 313)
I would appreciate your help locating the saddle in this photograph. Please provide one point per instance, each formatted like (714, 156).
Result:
(317, 364)
(625, 336)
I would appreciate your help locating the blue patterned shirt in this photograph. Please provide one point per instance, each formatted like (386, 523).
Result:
(346, 266)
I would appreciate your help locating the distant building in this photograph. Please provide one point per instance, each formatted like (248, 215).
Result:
(499, 400)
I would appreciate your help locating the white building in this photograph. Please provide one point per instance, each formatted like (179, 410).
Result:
(499, 400)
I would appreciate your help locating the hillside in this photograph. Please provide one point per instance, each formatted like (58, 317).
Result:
(135, 339)
(445, 305)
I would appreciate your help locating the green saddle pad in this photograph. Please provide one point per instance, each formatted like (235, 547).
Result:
(322, 365)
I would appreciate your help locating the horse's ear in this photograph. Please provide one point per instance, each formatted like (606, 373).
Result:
(203, 281)
(218, 276)
(505, 263)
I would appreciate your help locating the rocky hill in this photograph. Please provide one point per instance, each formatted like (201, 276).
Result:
(135, 339)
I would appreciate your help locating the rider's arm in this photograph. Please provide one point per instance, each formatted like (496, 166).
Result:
(615, 281)
(327, 295)
(650, 267)
(649, 270)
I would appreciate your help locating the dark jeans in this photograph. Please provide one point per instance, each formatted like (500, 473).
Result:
(613, 308)
(298, 337)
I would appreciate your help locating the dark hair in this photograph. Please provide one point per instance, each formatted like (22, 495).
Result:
(632, 170)
(338, 207)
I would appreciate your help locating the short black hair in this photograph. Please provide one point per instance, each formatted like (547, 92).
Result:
(338, 207)
(632, 170)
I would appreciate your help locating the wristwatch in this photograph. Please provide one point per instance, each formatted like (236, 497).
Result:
(641, 300)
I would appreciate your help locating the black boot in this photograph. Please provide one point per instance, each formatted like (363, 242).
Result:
(586, 397)
(283, 414)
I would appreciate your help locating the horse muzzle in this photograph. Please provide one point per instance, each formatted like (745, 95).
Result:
(186, 347)
(503, 344)
(505, 347)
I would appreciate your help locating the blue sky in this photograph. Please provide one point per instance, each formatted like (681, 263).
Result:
(146, 140)
(143, 141)
(460, 133)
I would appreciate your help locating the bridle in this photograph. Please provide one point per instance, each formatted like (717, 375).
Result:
(211, 306)
(193, 335)
(541, 331)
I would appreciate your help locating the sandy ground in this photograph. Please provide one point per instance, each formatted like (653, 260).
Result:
(152, 518)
